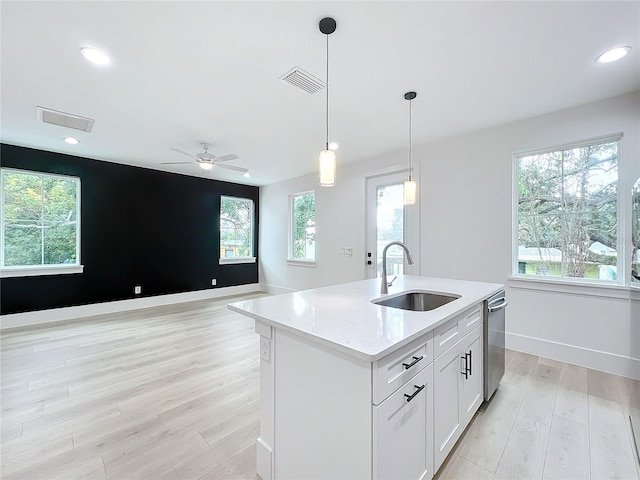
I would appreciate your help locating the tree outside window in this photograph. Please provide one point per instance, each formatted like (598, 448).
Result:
(40, 215)
(567, 212)
(303, 227)
(236, 227)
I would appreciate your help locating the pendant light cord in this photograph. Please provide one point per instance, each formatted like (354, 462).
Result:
(327, 115)
(410, 152)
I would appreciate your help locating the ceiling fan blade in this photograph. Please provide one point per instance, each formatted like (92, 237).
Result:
(231, 167)
(174, 163)
(226, 158)
(183, 152)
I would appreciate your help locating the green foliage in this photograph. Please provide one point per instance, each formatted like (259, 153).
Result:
(39, 219)
(567, 201)
(236, 215)
(304, 226)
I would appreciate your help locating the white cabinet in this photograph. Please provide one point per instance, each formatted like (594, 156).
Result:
(403, 431)
(471, 391)
(327, 414)
(394, 370)
(457, 390)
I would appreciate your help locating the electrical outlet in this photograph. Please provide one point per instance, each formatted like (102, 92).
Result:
(213, 282)
(137, 290)
(265, 349)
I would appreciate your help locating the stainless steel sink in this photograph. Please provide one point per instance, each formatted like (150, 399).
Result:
(417, 301)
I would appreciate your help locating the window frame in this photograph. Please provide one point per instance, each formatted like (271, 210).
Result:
(623, 264)
(42, 269)
(291, 260)
(238, 260)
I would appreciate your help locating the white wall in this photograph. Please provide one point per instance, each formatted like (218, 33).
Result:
(465, 190)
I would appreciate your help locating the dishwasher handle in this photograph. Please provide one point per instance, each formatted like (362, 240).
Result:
(498, 304)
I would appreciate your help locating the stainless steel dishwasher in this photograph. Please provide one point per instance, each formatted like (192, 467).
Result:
(494, 310)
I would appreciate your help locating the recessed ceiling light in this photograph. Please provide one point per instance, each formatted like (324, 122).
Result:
(205, 165)
(71, 141)
(95, 56)
(246, 174)
(333, 146)
(613, 54)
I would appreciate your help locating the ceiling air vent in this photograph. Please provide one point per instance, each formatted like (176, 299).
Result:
(68, 120)
(302, 80)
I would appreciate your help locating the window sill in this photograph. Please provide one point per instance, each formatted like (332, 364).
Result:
(233, 261)
(575, 287)
(301, 263)
(40, 271)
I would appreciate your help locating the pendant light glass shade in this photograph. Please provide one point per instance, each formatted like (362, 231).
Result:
(327, 159)
(327, 168)
(410, 187)
(409, 192)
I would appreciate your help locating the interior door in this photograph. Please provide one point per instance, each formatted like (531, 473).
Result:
(389, 220)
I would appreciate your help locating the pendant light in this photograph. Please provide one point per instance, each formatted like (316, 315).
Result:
(410, 184)
(327, 159)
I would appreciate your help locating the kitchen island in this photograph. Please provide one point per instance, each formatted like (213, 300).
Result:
(349, 387)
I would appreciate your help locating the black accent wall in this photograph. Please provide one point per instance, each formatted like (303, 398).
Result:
(138, 227)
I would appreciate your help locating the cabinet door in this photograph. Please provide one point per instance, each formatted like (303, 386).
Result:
(471, 394)
(446, 398)
(403, 426)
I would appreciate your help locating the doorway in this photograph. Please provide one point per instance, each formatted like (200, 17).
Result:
(388, 219)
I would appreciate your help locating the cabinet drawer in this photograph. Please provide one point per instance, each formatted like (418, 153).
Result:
(392, 371)
(471, 319)
(447, 335)
(403, 426)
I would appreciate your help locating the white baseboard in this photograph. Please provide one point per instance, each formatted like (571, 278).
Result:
(15, 320)
(274, 289)
(584, 357)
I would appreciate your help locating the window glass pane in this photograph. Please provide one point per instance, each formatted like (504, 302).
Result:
(59, 243)
(59, 200)
(303, 230)
(236, 217)
(390, 227)
(22, 246)
(567, 213)
(22, 199)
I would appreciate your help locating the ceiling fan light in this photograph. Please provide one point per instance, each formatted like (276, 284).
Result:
(409, 192)
(206, 165)
(327, 168)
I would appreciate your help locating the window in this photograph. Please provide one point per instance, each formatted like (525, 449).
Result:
(567, 211)
(302, 220)
(236, 230)
(40, 223)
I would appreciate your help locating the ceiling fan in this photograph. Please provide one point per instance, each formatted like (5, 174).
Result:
(207, 160)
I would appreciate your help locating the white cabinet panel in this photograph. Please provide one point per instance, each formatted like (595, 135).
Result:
(447, 335)
(471, 392)
(458, 390)
(446, 401)
(471, 319)
(394, 370)
(403, 431)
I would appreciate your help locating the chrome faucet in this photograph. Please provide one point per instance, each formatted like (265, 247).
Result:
(384, 285)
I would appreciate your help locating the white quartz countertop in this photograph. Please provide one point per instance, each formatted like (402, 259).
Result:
(342, 317)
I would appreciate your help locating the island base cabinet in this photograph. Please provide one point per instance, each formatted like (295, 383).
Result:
(403, 431)
(458, 391)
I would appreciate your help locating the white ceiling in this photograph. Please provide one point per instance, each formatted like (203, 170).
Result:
(189, 72)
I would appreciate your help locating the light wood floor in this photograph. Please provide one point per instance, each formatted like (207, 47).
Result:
(172, 393)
